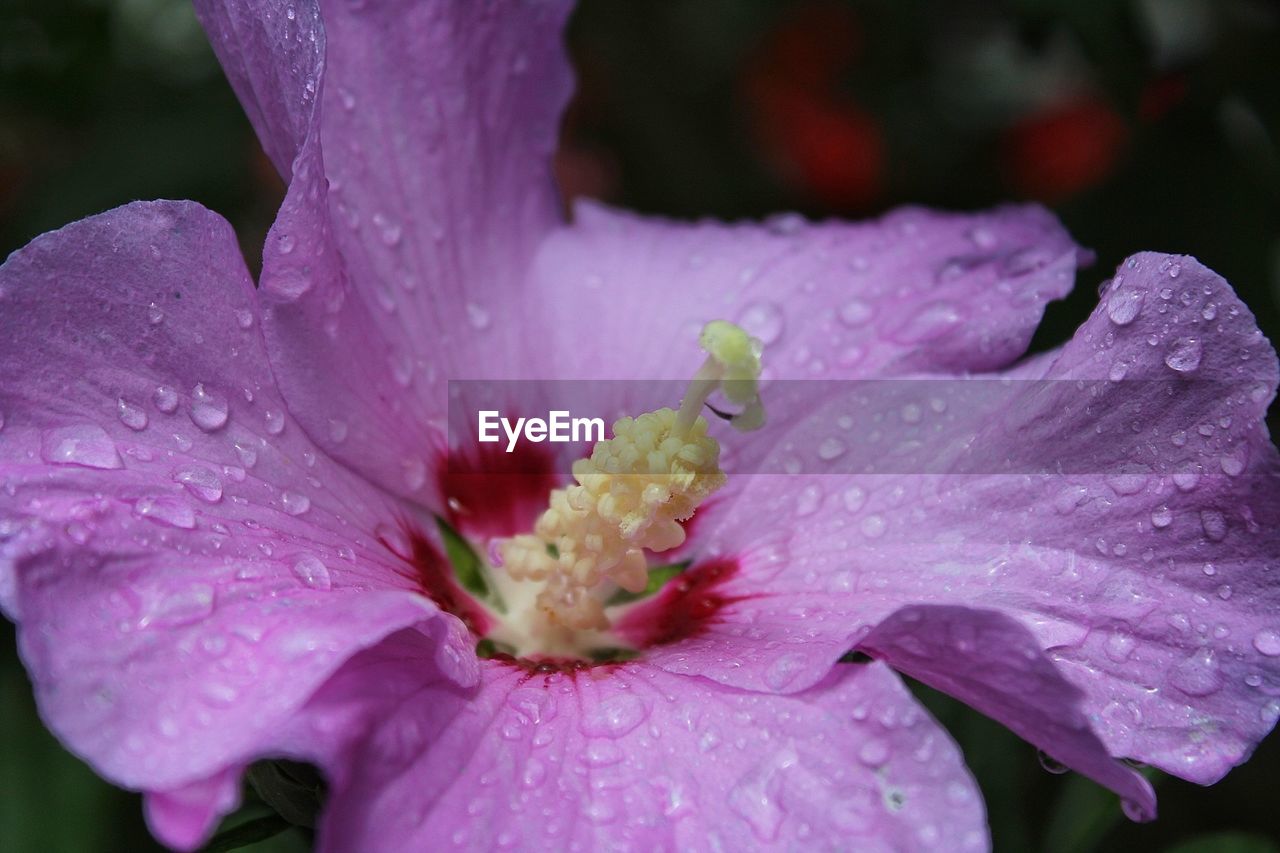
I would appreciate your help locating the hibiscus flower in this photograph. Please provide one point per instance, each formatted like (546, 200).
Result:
(234, 523)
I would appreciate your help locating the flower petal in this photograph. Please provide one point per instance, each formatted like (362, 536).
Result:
(184, 566)
(916, 290)
(994, 664)
(419, 139)
(1130, 522)
(632, 757)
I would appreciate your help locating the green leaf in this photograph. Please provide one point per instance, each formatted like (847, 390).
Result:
(249, 832)
(1083, 814)
(1226, 842)
(487, 648)
(295, 790)
(468, 568)
(658, 576)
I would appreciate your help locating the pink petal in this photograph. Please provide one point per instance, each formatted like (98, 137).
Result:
(632, 757)
(416, 138)
(1142, 569)
(184, 817)
(916, 290)
(993, 663)
(186, 568)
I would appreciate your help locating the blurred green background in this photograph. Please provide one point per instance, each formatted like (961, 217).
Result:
(1145, 124)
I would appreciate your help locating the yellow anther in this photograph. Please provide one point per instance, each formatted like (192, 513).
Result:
(633, 491)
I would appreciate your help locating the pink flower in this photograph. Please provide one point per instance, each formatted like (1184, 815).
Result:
(216, 501)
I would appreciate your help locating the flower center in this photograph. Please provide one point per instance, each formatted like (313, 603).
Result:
(587, 554)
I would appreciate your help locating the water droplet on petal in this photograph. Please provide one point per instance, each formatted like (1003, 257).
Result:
(1197, 675)
(165, 399)
(208, 408)
(854, 498)
(831, 448)
(130, 415)
(983, 237)
(180, 607)
(855, 312)
(155, 316)
(1161, 516)
(1214, 524)
(762, 320)
(87, 445)
(932, 321)
(274, 421)
(337, 431)
(248, 456)
(201, 482)
(166, 510)
(313, 572)
(294, 503)
(873, 526)
(388, 230)
(1184, 356)
(614, 716)
(1267, 641)
(244, 318)
(808, 501)
(1124, 305)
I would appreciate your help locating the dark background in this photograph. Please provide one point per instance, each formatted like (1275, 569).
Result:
(1145, 124)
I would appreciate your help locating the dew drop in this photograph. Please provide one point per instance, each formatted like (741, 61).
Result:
(1161, 516)
(1214, 524)
(313, 572)
(86, 445)
(200, 481)
(854, 498)
(1197, 675)
(130, 415)
(248, 456)
(337, 430)
(155, 316)
(614, 716)
(1184, 356)
(982, 237)
(208, 408)
(180, 607)
(165, 399)
(855, 312)
(873, 526)
(390, 232)
(831, 448)
(1267, 642)
(1124, 306)
(274, 421)
(244, 318)
(932, 321)
(170, 512)
(294, 503)
(808, 501)
(762, 320)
